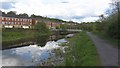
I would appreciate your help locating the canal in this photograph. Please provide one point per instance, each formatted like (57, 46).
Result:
(35, 54)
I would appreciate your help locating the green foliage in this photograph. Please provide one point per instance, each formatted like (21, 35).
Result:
(17, 36)
(11, 13)
(113, 30)
(82, 52)
(41, 27)
(63, 26)
(24, 15)
(64, 44)
(108, 25)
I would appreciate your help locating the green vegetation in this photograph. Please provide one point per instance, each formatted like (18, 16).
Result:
(106, 27)
(41, 27)
(18, 36)
(81, 52)
(14, 34)
(107, 38)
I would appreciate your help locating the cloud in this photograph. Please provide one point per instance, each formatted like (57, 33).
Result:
(8, 1)
(77, 10)
(64, 2)
(7, 5)
(87, 19)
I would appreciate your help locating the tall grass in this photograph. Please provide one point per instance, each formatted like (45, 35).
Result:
(81, 52)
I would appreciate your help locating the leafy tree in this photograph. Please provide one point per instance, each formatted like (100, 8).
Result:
(33, 16)
(24, 15)
(41, 27)
(63, 26)
(11, 13)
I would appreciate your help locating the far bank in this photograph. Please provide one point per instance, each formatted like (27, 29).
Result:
(22, 37)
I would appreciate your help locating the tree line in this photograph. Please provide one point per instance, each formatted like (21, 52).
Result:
(25, 15)
(108, 25)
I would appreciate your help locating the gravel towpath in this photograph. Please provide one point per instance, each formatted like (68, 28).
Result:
(107, 53)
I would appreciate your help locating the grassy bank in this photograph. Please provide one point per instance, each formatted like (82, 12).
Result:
(107, 38)
(17, 36)
(81, 52)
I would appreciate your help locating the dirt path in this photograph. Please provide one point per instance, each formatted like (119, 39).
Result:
(107, 53)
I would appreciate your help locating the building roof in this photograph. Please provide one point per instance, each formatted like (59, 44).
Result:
(16, 16)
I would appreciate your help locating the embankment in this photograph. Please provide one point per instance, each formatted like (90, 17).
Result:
(18, 37)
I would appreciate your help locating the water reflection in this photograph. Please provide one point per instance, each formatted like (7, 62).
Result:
(41, 40)
(30, 55)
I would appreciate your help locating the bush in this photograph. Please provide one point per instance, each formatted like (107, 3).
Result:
(41, 27)
(113, 30)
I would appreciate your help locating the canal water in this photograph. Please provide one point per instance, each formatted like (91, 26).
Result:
(33, 55)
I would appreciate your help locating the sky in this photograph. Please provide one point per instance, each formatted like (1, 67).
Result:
(69, 10)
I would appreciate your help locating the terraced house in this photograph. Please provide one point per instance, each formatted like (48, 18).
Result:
(52, 25)
(16, 22)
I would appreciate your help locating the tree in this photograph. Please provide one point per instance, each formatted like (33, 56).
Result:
(24, 15)
(11, 14)
(41, 27)
(33, 16)
(63, 26)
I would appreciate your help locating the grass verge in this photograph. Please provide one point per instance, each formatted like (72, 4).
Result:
(81, 52)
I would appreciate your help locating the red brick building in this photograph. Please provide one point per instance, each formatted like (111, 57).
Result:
(52, 25)
(12, 22)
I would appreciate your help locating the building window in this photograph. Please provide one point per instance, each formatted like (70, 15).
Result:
(3, 23)
(18, 20)
(8, 18)
(12, 19)
(7, 22)
(2, 18)
(15, 19)
(21, 19)
(12, 23)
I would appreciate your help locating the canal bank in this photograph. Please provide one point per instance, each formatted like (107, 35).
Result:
(74, 50)
(81, 51)
(34, 55)
(19, 37)
(12, 38)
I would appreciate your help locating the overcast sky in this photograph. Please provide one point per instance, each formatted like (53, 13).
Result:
(75, 10)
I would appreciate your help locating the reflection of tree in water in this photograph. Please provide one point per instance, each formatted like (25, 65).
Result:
(42, 40)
